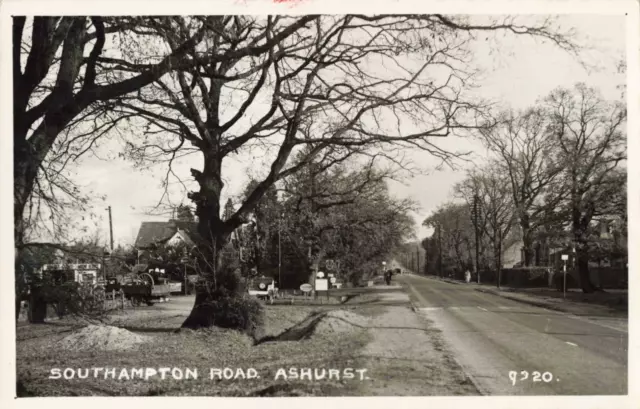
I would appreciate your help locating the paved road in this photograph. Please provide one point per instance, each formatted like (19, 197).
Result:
(491, 336)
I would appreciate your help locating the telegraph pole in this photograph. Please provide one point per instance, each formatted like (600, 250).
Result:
(440, 249)
(110, 228)
(280, 251)
(476, 215)
(499, 255)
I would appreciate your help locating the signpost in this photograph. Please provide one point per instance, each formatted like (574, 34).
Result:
(565, 257)
(322, 284)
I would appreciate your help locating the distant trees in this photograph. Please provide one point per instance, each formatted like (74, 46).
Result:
(454, 235)
(556, 170)
(491, 187)
(343, 215)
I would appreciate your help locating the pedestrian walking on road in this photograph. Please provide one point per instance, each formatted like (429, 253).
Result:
(387, 277)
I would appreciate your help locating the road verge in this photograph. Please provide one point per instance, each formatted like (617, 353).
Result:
(555, 304)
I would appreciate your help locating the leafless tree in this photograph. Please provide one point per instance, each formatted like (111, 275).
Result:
(590, 141)
(492, 187)
(334, 86)
(65, 70)
(524, 151)
(342, 86)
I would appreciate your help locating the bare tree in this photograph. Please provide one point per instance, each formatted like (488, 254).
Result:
(492, 187)
(589, 138)
(65, 70)
(320, 88)
(455, 235)
(524, 151)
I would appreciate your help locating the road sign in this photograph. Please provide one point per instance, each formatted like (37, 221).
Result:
(333, 280)
(322, 284)
(330, 275)
(565, 257)
(306, 287)
(320, 274)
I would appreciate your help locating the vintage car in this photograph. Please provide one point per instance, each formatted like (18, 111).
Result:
(263, 288)
(144, 289)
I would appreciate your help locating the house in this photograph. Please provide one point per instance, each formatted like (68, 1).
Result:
(607, 227)
(171, 233)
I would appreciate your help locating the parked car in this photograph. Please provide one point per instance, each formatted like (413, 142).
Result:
(263, 288)
(144, 289)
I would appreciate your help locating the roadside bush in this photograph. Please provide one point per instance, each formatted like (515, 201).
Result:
(74, 299)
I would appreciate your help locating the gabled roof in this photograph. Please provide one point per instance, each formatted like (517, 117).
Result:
(151, 233)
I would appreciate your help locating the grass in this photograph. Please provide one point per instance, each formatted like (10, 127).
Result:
(215, 348)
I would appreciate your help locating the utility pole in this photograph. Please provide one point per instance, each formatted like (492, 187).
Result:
(110, 228)
(418, 259)
(440, 249)
(280, 251)
(476, 215)
(499, 255)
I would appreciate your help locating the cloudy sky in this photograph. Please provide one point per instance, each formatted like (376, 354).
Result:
(523, 71)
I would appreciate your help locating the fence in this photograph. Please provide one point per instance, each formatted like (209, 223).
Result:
(528, 277)
(115, 300)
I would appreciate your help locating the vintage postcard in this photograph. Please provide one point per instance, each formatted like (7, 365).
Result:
(278, 198)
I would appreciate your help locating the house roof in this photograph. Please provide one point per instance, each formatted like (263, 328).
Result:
(159, 232)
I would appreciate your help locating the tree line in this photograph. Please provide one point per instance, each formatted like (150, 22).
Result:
(555, 177)
(301, 89)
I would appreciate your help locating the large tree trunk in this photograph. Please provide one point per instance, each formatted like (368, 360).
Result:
(582, 263)
(527, 240)
(579, 224)
(217, 279)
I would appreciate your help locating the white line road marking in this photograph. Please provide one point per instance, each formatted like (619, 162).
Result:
(571, 343)
(502, 307)
(575, 317)
(430, 308)
(483, 309)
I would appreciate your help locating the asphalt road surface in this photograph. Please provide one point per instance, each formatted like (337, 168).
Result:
(492, 336)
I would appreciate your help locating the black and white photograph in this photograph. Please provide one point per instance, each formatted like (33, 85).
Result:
(286, 198)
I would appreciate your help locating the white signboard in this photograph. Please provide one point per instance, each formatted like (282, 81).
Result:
(306, 287)
(565, 257)
(320, 274)
(322, 284)
(330, 275)
(333, 280)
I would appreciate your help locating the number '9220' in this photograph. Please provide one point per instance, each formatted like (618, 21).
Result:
(534, 376)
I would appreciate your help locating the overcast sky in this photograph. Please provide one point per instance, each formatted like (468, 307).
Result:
(520, 73)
